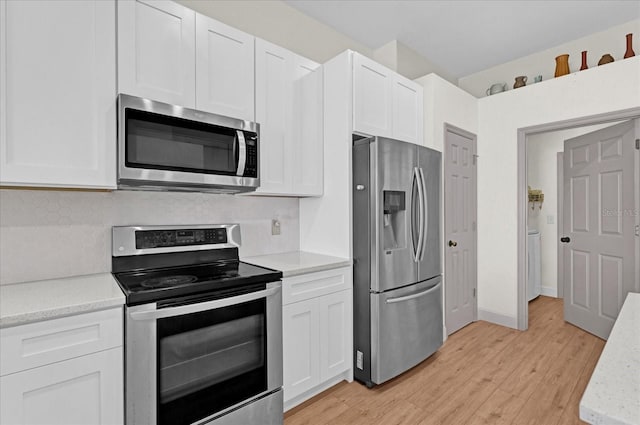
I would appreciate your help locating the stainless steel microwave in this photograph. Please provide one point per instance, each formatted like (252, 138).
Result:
(168, 147)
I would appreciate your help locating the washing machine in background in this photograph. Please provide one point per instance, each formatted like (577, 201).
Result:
(533, 279)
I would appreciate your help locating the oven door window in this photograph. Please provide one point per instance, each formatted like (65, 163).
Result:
(162, 142)
(209, 361)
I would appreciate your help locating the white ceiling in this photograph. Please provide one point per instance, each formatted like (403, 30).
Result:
(463, 37)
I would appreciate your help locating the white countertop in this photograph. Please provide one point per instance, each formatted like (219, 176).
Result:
(27, 302)
(298, 262)
(612, 396)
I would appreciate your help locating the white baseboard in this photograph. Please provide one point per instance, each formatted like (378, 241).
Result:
(549, 291)
(498, 318)
(345, 376)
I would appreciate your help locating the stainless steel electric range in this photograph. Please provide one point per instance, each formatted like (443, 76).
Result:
(203, 330)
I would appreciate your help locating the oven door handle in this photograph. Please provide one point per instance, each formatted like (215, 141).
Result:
(198, 307)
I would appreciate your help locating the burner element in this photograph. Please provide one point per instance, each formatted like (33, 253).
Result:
(168, 281)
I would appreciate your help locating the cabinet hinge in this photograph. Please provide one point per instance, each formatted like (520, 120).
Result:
(474, 292)
(638, 144)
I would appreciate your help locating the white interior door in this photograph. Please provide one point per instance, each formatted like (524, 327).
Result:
(599, 226)
(460, 229)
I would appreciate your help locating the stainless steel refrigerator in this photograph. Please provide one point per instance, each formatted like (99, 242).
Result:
(397, 249)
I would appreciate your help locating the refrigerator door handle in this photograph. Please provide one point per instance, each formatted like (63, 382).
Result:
(425, 215)
(419, 180)
(414, 245)
(410, 297)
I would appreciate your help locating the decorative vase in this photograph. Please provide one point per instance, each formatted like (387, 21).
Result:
(606, 58)
(629, 51)
(584, 61)
(562, 65)
(520, 81)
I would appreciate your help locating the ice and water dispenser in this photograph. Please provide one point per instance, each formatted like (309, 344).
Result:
(394, 220)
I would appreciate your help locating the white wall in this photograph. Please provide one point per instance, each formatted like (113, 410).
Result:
(281, 24)
(50, 234)
(325, 223)
(612, 87)
(543, 63)
(446, 103)
(542, 151)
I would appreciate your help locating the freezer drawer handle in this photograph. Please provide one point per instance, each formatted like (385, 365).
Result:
(410, 297)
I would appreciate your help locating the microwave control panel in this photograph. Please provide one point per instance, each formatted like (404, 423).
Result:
(169, 238)
(251, 167)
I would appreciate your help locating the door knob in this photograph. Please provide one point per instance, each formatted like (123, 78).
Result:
(453, 243)
(565, 239)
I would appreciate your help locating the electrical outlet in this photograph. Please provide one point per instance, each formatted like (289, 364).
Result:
(275, 227)
(359, 360)
(551, 219)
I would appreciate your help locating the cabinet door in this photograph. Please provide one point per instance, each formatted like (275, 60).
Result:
(307, 142)
(58, 91)
(84, 390)
(224, 69)
(274, 91)
(301, 347)
(156, 51)
(372, 104)
(335, 334)
(408, 107)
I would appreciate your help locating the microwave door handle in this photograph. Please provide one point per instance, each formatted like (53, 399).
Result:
(242, 152)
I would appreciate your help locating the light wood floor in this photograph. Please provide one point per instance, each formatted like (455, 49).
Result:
(484, 374)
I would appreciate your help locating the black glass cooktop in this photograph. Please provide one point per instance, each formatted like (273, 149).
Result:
(162, 284)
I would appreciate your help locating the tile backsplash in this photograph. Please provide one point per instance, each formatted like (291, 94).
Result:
(51, 234)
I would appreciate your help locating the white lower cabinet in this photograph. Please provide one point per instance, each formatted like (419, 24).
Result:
(317, 333)
(301, 341)
(63, 371)
(83, 391)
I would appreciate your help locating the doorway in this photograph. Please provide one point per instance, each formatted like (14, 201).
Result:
(540, 162)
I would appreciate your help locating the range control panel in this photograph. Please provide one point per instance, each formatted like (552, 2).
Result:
(146, 239)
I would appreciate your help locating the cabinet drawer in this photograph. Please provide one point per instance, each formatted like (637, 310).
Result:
(311, 285)
(37, 344)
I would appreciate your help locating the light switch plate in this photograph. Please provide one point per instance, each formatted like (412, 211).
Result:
(551, 219)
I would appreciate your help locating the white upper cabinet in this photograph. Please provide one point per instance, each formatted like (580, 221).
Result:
(289, 111)
(274, 108)
(171, 54)
(307, 143)
(224, 69)
(58, 90)
(372, 106)
(156, 51)
(385, 103)
(408, 106)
